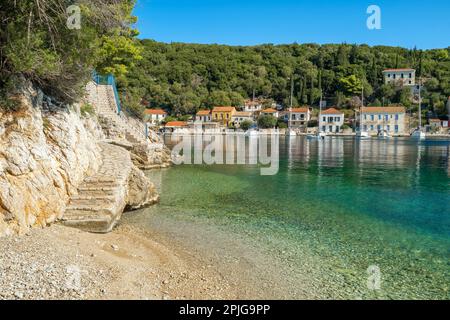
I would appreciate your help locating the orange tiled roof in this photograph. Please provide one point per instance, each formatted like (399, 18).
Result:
(270, 110)
(173, 124)
(383, 110)
(204, 113)
(223, 109)
(332, 111)
(404, 69)
(300, 110)
(154, 111)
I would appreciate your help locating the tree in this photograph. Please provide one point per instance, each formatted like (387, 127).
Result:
(351, 85)
(267, 121)
(246, 124)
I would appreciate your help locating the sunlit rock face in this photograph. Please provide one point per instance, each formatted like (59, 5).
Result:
(47, 150)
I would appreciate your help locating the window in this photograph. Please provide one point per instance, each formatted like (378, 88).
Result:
(372, 117)
(324, 119)
(379, 117)
(371, 127)
(410, 82)
(365, 117)
(387, 117)
(396, 128)
(410, 76)
(365, 127)
(378, 127)
(388, 128)
(403, 76)
(396, 117)
(389, 75)
(323, 128)
(337, 119)
(302, 116)
(395, 76)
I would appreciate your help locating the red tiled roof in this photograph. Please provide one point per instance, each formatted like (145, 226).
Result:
(154, 111)
(383, 110)
(174, 124)
(332, 111)
(223, 109)
(204, 113)
(393, 70)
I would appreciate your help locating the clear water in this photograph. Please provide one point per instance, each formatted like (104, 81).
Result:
(336, 207)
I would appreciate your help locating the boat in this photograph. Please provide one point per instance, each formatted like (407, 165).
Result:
(252, 133)
(362, 134)
(318, 136)
(291, 133)
(384, 134)
(418, 134)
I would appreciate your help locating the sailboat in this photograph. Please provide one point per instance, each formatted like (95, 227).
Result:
(290, 132)
(320, 135)
(418, 133)
(361, 134)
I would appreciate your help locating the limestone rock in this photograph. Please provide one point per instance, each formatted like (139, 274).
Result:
(141, 192)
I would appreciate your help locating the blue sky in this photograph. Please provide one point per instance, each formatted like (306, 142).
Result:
(425, 24)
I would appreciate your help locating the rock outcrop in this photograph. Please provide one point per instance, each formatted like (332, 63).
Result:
(49, 151)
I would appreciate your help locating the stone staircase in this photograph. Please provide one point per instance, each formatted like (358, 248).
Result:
(101, 198)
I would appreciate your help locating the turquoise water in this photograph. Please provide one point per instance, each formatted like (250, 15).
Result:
(341, 205)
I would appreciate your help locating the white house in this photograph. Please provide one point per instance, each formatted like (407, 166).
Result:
(154, 116)
(405, 77)
(377, 119)
(252, 106)
(240, 116)
(297, 118)
(204, 116)
(331, 120)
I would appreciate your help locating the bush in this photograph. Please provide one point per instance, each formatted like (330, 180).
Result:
(267, 121)
(282, 125)
(87, 109)
(246, 124)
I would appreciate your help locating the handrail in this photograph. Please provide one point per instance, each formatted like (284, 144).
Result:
(108, 80)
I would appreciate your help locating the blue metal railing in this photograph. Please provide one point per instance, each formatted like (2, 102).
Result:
(108, 80)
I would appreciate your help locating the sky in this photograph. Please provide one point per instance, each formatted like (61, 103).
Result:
(425, 24)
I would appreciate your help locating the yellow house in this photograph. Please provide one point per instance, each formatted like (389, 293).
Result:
(223, 115)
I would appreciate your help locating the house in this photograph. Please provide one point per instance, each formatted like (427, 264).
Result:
(435, 123)
(404, 77)
(204, 116)
(252, 106)
(297, 118)
(154, 116)
(331, 120)
(240, 116)
(173, 126)
(223, 115)
(271, 112)
(378, 119)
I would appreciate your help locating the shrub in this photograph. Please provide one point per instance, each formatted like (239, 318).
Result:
(87, 109)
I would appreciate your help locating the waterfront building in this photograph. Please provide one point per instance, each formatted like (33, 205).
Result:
(378, 119)
(223, 115)
(154, 116)
(271, 112)
(240, 116)
(204, 116)
(297, 118)
(331, 121)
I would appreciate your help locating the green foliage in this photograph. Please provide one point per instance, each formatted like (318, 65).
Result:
(87, 109)
(267, 121)
(351, 85)
(36, 43)
(282, 125)
(246, 124)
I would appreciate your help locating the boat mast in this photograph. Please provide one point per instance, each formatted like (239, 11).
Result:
(291, 102)
(361, 111)
(320, 112)
(420, 104)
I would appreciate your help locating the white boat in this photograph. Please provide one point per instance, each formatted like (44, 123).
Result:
(419, 135)
(318, 136)
(362, 135)
(384, 134)
(291, 133)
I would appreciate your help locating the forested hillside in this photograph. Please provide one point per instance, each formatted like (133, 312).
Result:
(182, 78)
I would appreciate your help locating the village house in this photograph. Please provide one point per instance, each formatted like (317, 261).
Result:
(297, 118)
(223, 115)
(378, 119)
(154, 116)
(240, 116)
(204, 116)
(404, 77)
(271, 112)
(174, 126)
(252, 106)
(331, 120)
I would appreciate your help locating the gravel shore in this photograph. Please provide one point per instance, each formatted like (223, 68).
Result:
(64, 263)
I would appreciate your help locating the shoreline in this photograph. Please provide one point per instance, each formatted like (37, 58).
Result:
(127, 263)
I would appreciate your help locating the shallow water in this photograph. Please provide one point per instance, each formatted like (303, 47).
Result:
(335, 208)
